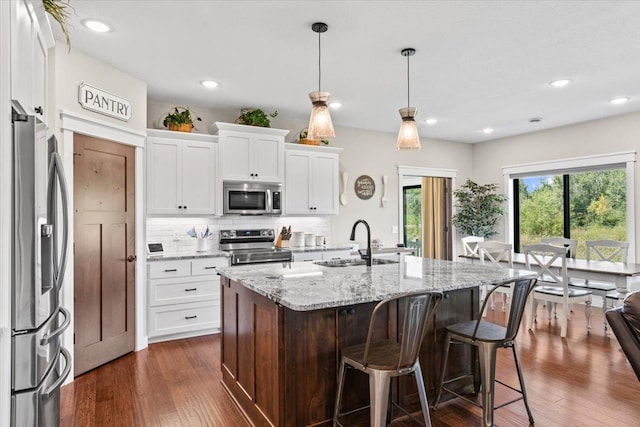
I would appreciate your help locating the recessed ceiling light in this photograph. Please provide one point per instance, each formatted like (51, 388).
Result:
(335, 105)
(487, 130)
(560, 83)
(619, 100)
(431, 121)
(209, 84)
(97, 26)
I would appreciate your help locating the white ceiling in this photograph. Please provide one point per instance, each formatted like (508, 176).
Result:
(478, 63)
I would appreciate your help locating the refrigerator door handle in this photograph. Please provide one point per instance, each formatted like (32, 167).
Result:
(57, 172)
(67, 320)
(46, 394)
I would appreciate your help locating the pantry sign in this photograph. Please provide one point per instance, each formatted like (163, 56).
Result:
(103, 102)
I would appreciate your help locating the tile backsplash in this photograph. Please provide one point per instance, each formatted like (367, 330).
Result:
(172, 232)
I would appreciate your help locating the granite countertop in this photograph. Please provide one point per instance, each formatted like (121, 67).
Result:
(171, 256)
(305, 286)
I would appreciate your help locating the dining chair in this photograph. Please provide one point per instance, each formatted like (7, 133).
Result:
(470, 245)
(570, 244)
(553, 285)
(383, 360)
(602, 250)
(497, 254)
(488, 337)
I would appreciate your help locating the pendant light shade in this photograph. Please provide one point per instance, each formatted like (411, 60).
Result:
(320, 125)
(408, 138)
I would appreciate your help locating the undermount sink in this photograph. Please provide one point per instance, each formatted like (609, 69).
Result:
(353, 262)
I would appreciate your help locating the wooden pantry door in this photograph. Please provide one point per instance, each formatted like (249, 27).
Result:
(104, 251)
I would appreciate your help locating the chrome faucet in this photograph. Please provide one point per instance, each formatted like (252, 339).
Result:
(366, 256)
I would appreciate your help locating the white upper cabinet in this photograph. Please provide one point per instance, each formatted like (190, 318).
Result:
(31, 38)
(311, 180)
(181, 173)
(250, 153)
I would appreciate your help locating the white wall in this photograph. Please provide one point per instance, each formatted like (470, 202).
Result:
(5, 214)
(610, 135)
(67, 70)
(365, 153)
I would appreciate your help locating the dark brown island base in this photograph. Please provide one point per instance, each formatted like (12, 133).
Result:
(283, 326)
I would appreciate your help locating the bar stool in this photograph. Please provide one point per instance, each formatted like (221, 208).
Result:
(488, 337)
(385, 359)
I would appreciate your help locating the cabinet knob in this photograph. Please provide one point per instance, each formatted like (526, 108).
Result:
(180, 207)
(39, 110)
(184, 207)
(342, 312)
(351, 311)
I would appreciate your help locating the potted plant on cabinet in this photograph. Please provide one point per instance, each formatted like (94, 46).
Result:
(180, 120)
(255, 117)
(306, 141)
(479, 209)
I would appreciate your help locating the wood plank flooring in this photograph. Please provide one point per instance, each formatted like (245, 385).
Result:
(583, 380)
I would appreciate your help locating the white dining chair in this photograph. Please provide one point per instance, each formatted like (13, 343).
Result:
(603, 250)
(470, 245)
(498, 254)
(553, 285)
(570, 244)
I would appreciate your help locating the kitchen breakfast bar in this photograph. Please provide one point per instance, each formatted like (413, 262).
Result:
(284, 324)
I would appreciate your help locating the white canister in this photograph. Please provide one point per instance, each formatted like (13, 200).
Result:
(201, 245)
(319, 240)
(309, 240)
(297, 239)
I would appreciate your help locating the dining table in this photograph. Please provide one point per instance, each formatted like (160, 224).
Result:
(625, 275)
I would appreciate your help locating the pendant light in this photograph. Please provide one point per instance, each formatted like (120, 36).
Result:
(408, 138)
(320, 126)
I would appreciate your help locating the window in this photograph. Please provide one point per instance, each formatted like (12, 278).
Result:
(583, 198)
(412, 209)
(578, 205)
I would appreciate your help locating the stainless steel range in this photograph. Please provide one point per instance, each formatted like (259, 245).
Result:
(252, 246)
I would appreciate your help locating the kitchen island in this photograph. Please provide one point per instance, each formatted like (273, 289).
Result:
(283, 326)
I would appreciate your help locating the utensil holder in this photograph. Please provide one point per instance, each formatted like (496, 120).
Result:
(201, 245)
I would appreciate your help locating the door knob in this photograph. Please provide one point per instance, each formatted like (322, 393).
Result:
(132, 258)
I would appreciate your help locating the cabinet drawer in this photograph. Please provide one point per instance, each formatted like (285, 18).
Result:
(182, 318)
(168, 291)
(207, 266)
(166, 269)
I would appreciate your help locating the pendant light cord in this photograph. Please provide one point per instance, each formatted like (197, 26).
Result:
(408, 83)
(319, 57)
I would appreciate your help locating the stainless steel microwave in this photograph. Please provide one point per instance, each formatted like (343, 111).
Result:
(252, 198)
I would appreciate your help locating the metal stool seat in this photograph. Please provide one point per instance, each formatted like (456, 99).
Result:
(383, 360)
(488, 337)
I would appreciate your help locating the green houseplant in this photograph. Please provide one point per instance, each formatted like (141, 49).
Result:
(255, 117)
(58, 9)
(180, 120)
(479, 208)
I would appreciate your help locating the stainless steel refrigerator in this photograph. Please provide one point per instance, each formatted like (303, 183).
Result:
(40, 238)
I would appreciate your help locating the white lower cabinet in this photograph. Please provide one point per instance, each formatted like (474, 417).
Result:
(184, 298)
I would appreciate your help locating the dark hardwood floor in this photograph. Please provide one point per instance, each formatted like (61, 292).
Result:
(583, 380)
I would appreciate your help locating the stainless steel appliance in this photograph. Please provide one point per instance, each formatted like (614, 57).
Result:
(38, 265)
(252, 246)
(252, 198)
